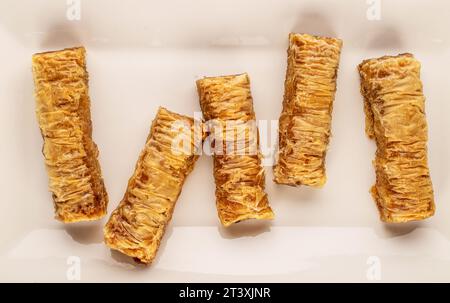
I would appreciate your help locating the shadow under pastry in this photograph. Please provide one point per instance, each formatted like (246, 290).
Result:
(385, 38)
(60, 36)
(314, 23)
(393, 230)
(85, 232)
(247, 228)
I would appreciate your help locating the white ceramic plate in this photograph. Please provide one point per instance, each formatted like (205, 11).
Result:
(142, 54)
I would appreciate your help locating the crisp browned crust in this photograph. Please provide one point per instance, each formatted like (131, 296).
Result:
(395, 117)
(63, 113)
(305, 121)
(240, 178)
(137, 226)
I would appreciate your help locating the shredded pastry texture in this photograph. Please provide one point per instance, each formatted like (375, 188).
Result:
(305, 121)
(63, 113)
(395, 117)
(137, 226)
(227, 106)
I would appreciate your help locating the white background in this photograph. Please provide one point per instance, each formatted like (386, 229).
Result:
(142, 54)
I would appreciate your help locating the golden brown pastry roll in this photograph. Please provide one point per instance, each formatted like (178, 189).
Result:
(227, 106)
(63, 113)
(137, 226)
(395, 117)
(305, 121)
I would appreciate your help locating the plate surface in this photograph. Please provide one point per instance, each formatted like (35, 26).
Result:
(142, 54)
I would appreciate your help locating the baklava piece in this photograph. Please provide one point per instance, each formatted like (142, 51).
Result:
(227, 106)
(305, 121)
(63, 113)
(395, 117)
(138, 224)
